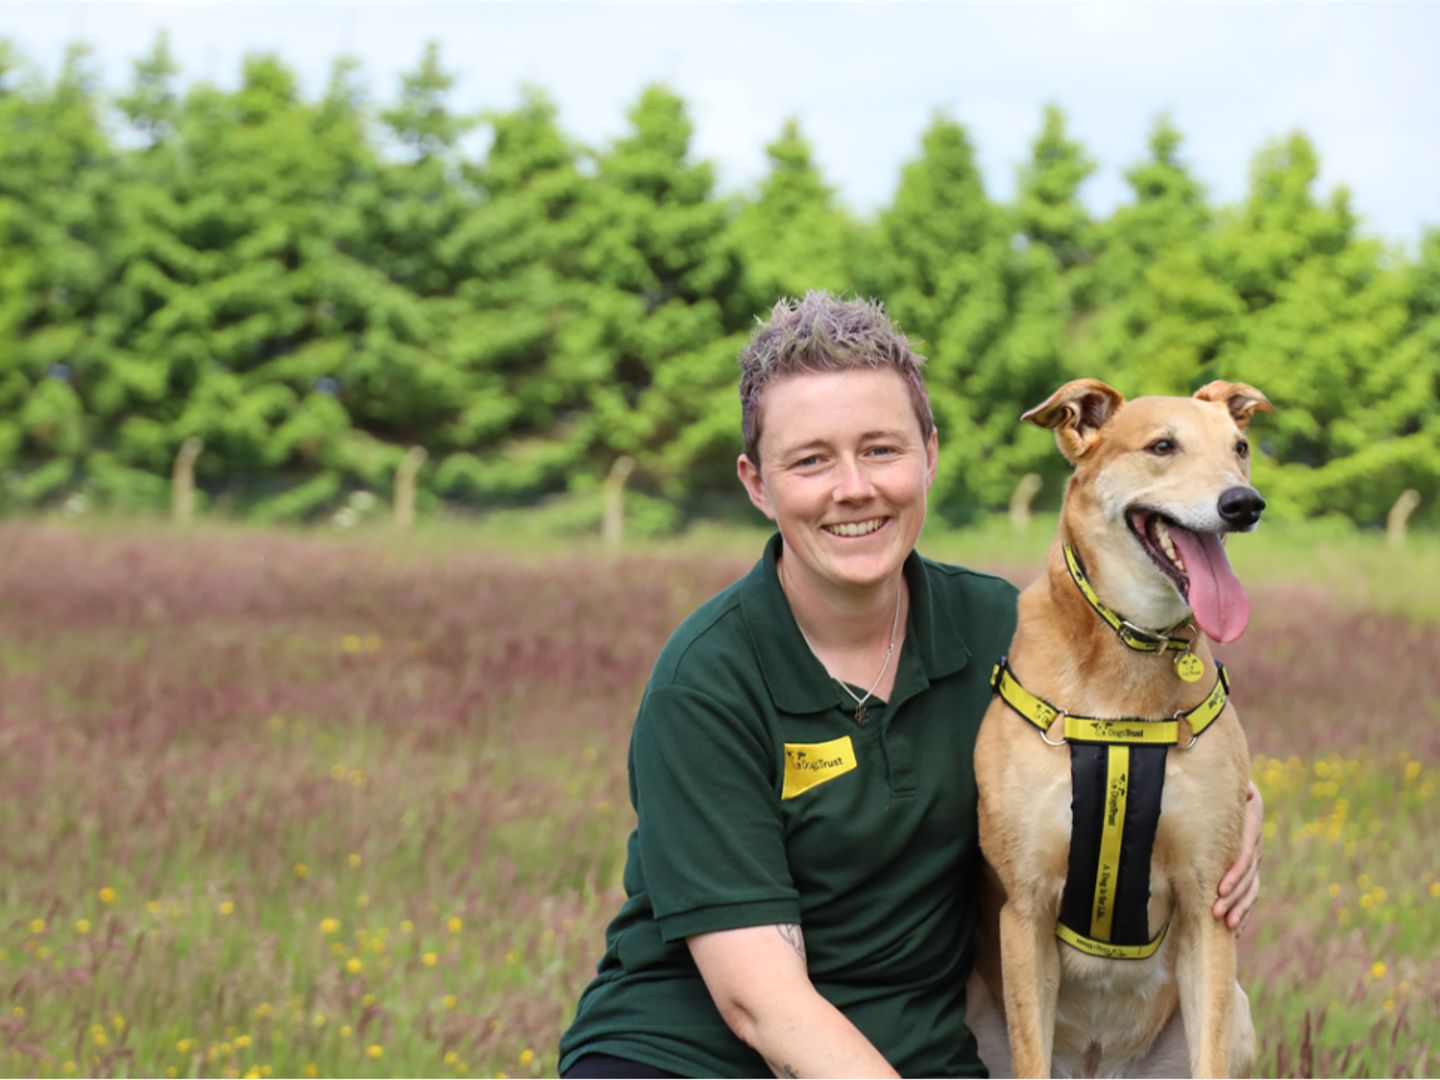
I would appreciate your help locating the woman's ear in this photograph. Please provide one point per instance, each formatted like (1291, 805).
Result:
(749, 474)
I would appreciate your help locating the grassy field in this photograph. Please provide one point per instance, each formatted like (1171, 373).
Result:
(285, 804)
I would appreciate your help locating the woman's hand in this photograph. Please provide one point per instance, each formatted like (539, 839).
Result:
(1241, 883)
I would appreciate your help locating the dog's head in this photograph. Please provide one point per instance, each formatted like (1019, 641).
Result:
(1159, 482)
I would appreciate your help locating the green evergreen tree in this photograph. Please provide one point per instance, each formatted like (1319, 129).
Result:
(522, 337)
(56, 197)
(794, 236)
(1164, 313)
(1048, 210)
(667, 314)
(1325, 315)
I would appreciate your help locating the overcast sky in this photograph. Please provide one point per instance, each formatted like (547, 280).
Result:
(1362, 79)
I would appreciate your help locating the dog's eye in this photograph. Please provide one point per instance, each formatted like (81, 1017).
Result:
(1162, 447)
(1242, 449)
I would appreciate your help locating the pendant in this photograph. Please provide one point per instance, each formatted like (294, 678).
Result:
(1189, 666)
(860, 716)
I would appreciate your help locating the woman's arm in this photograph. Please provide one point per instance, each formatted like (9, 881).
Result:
(758, 980)
(1241, 883)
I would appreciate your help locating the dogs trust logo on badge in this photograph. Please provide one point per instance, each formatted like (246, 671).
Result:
(810, 764)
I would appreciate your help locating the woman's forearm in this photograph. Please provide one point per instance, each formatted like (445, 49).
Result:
(759, 982)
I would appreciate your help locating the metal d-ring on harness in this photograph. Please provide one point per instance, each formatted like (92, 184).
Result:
(1117, 774)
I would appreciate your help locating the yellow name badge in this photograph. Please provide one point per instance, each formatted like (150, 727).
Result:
(809, 764)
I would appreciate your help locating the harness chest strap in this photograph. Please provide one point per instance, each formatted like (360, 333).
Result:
(1127, 731)
(1117, 771)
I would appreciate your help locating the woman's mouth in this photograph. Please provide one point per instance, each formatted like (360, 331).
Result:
(854, 528)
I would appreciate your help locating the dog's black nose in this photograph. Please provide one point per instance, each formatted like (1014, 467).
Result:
(1241, 506)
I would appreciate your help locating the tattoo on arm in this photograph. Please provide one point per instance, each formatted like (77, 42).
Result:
(791, 933)
(783, 1070)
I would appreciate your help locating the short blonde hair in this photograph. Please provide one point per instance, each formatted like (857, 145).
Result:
(824, 333)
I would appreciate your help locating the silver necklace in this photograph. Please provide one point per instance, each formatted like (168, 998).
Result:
(860, 714)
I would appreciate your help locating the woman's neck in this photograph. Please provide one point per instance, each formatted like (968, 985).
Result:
(841, 618)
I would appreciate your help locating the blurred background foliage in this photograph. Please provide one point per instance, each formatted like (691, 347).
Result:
(314, 286)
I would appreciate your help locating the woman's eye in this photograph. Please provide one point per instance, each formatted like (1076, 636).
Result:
(1242, 448)
(1162, 447)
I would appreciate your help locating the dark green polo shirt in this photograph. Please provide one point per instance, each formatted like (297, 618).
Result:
(761, 800)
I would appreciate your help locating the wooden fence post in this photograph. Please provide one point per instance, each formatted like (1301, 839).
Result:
(1025, 492)
(1399, 517)
(613, 529)
(405, 487)
(182, 481)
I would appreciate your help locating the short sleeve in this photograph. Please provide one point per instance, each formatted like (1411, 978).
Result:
(711, 831)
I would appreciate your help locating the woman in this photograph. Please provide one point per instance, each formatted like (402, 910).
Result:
(801, 880)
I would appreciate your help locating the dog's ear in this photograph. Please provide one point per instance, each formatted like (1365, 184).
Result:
(1240, 398)
(1077, 412)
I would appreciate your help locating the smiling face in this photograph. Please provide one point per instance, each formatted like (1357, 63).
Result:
(844, 471)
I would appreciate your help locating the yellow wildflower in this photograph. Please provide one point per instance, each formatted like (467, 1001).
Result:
(1377, 969)
(276, 723)
(227, 907)
(429, 959)
(184, 1046)
(312, 1070)
(350, 643)
(106, 895)
(526, 1057)
(69, 1066)
(37, 926)
(1389, 1004)
(449, 1001)
(338, 771)
(354, 965)
(118, 1021)
(82, 926)
(242, 1041)
(363, 900)
(153, 906)
(1435, 890)
(301, 871)
(1334, 890)
(319, 1019)
(345, 1032)
(407, 927)
(451, 1057)
(18, 1012)
(1412, 770)
(98, 1036)
(263, 1010)
(252, 1073)
(374, 1050)
(367, 1001)
(329, 926)
(455, 924)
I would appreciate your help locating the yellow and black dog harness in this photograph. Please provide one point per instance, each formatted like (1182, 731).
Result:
(1117, 775)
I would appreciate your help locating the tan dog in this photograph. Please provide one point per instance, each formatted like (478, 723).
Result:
(1158, 482)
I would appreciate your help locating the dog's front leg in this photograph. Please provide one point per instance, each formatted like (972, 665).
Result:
(1030, 959)
(1206, 971)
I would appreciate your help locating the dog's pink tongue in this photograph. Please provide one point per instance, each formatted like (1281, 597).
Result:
(1216, 596)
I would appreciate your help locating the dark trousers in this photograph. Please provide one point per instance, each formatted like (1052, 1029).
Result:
(606, 1067)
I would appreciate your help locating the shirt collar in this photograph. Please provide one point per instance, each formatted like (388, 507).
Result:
(797, 681)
